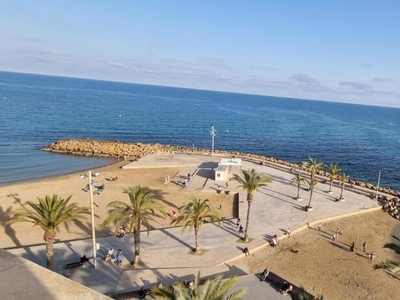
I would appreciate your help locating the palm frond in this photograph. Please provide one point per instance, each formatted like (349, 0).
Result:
(251, 180)
(390, 265)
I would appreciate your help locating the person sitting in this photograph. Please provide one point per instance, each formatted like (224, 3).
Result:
(274, 240)
(84, 259)
(121, 232)
(246, 251)
(238, 223)
(108, 258)
(111, 252)
(286, 288)
(86, 188)
(265, 274)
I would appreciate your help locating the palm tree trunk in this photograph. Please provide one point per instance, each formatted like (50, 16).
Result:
(298, 190)
(48, 237)
(136, 239)
(330, 186)
(311, 193)
(249, 200)
(311, 189)
(341, 191)
(49, 252)
(196, 238)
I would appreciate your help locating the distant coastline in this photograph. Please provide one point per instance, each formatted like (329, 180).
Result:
(117, 149)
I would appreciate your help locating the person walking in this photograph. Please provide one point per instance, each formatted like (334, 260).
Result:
(364, 246)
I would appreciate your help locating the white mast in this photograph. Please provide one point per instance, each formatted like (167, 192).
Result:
(212, 133)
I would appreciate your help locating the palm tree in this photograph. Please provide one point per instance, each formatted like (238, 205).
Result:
(139, 211)
(194, 214)
(250, 181)
(313, 165)
(333, 171)
(343, 177)
(49, 213)
(299, 180)
(392, 266)
(212, 289)
(311, 183)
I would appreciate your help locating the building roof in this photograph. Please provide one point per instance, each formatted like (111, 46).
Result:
(21, 279)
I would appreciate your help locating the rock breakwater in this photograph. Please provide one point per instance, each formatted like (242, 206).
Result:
(117, 149)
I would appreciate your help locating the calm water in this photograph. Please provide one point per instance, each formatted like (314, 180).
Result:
(38, 110)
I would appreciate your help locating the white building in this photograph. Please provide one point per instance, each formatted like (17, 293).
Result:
(224, 167)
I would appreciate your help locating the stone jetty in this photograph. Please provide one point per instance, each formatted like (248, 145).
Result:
(392, 206)
(117, 149)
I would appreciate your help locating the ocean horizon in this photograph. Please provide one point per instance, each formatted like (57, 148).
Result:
(37, 110)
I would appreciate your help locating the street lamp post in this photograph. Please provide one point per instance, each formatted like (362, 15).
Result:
(92, 215)
(212, 133)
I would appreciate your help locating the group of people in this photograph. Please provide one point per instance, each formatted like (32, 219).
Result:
(339, 232)
(117, 258)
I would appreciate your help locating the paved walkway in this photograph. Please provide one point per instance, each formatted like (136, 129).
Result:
(166, 254)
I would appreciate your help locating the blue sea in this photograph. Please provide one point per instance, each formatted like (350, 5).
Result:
(37, 110)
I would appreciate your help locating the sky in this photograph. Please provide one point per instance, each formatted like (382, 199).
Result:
(345, 51)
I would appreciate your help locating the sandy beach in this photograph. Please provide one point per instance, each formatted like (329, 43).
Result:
(324, 266)
(172, 195)
(310, 258)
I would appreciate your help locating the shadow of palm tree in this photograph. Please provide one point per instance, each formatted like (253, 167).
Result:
(393, 246)
(10, 232)
(280, 199)
(166, 232)
(160, 195)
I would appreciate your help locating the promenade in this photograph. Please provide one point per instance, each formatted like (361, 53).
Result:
(166, 253)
